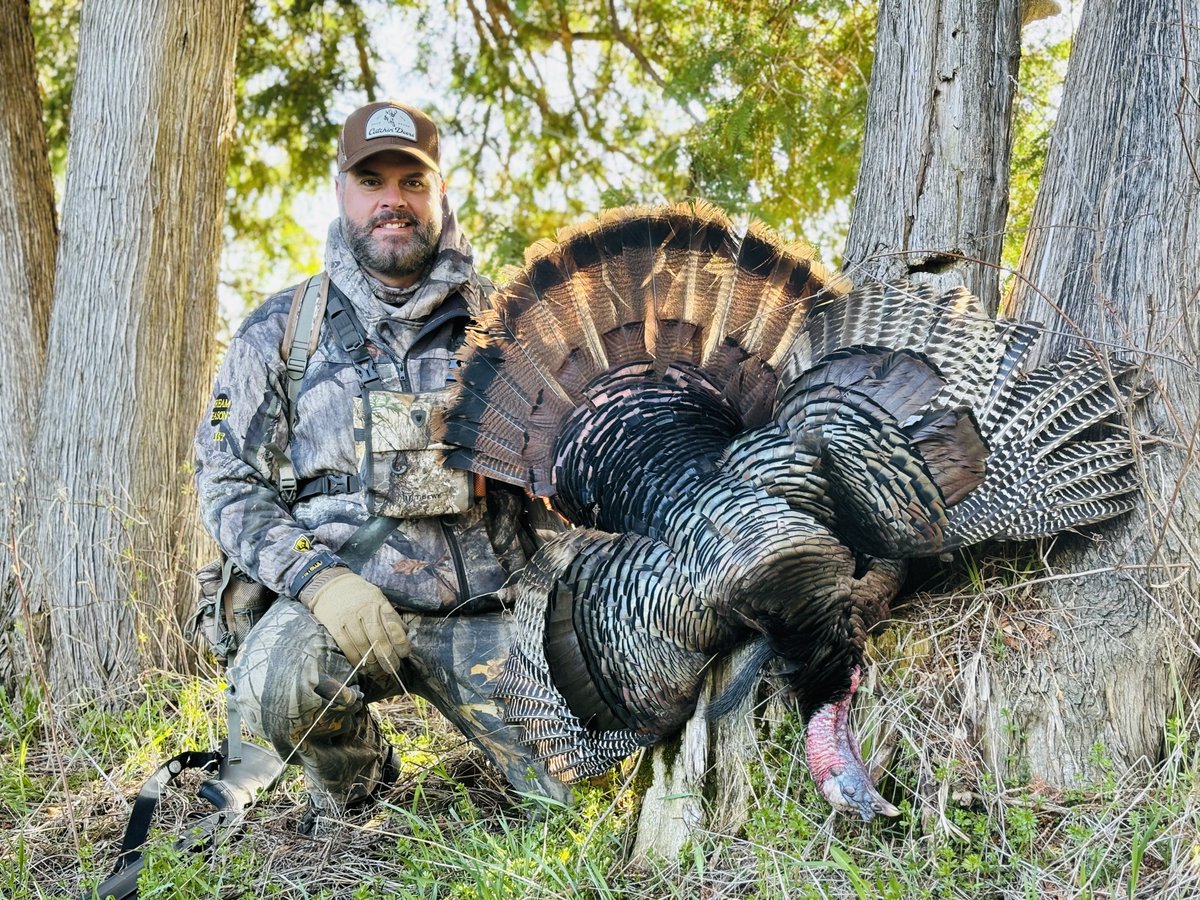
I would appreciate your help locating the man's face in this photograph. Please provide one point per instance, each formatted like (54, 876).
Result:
(391, 208)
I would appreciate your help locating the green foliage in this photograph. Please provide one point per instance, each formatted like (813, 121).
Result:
(185, 875)
(559, 108)
(470, 854)
(19, 726)
(1097, 840)
(569, 107)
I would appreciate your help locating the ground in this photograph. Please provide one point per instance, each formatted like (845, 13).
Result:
(450, 829)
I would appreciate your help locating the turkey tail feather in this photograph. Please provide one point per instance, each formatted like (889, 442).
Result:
(673, 294)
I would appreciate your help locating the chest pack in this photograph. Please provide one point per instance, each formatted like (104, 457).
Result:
(400, 466)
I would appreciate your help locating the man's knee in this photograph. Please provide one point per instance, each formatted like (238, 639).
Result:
(291, 682)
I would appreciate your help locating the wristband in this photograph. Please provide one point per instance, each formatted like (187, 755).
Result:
(317, 564)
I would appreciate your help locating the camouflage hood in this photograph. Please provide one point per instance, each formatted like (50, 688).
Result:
(452, 270)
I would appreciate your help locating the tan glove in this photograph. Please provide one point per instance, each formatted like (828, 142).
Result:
(360, 619)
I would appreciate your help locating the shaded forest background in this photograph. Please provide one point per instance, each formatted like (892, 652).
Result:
(554, 110)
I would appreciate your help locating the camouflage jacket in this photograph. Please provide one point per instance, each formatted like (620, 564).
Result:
(427, 564)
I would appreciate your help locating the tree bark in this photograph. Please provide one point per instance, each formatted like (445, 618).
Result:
(27, 229)
(129, 356)
(1113, 257)
(29, 239)
(932, 192)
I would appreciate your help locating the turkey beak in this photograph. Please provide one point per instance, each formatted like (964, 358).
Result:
(875, 805)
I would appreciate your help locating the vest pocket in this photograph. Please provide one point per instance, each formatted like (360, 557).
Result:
(400, 463)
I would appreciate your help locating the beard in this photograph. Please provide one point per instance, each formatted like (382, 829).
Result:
(383, 256)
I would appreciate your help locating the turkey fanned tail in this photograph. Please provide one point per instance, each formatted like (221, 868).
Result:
(661, 325)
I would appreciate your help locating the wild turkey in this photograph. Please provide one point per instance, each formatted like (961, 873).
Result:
(750, 451)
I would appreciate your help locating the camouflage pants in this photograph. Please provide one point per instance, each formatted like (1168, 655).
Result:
(296, 690)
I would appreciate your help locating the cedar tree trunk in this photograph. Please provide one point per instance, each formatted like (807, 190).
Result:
(27, 248)
(1113, 257)
(129, 353)
(932, 192)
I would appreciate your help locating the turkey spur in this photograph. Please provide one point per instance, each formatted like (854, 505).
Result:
(750, 450)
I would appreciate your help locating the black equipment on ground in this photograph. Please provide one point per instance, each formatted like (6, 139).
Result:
(231, 793)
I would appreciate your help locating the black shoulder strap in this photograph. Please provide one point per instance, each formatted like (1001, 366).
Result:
(352, 336)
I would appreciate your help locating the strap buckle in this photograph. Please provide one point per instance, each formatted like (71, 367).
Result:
(348, 334)
(287, 483)
(339, 484)
(368, 375)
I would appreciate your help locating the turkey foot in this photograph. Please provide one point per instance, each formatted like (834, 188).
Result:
(836, 763)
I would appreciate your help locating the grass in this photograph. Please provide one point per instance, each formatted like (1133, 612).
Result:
(449, 829)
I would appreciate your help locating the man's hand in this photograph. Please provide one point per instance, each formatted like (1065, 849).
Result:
(361, 620)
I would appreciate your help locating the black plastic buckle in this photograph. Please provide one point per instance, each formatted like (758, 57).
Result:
(338, 484)
(368, 375)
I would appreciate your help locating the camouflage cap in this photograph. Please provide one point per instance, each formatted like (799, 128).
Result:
(388, 125)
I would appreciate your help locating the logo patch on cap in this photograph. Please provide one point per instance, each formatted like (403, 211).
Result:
(391, 122)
